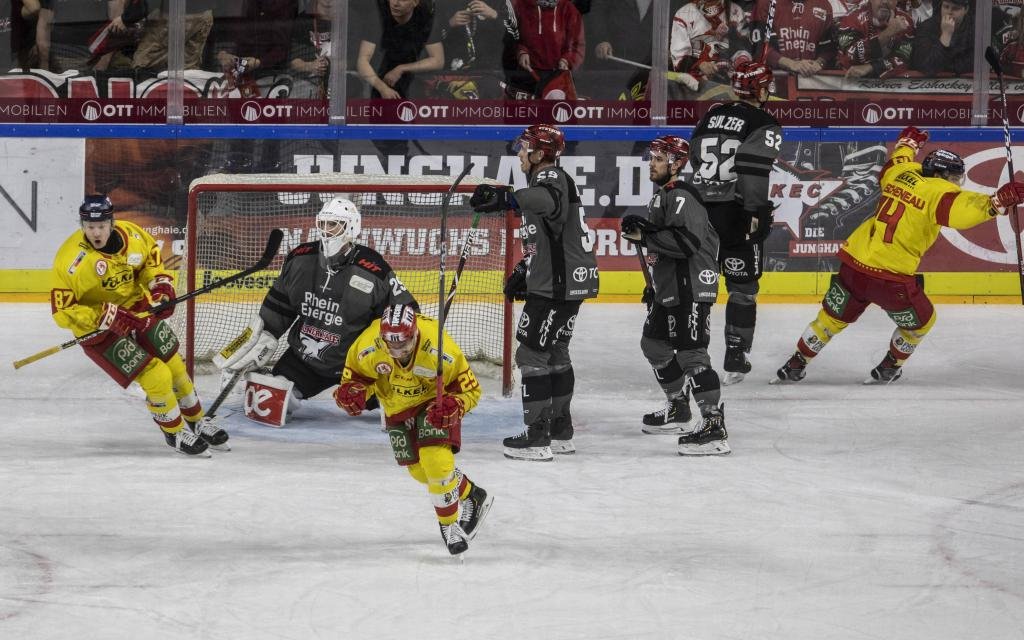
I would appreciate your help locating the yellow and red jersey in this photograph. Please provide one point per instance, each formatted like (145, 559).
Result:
(911, 211)
(85, 278)
(404, 391)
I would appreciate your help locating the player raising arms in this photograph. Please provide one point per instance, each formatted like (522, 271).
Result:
(733, 148)
(557, 273)
(327, 293)
(880, 258)
(682, 254)
(396, 358)
(108, 275)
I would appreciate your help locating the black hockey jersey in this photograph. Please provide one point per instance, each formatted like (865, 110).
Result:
(327, 310)
(561, 264)
(682, 255)
(732, 150)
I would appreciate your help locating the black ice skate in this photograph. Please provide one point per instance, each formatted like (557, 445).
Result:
(454, 538)
(710, 438)
(887, 371)
(736, 365)
(671, 419)
(792, 371)
(532, 444)
(561, 435)
(187, 442)
(208, 429)
(474, 510)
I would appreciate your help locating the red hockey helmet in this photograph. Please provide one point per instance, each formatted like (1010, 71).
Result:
(674, 147)
(748, 78)
(542, 137)
(398, 330)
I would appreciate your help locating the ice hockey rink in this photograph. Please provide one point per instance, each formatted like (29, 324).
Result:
(845, 511)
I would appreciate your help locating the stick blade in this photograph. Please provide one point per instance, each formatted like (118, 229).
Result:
(992, 56)
(273, 244)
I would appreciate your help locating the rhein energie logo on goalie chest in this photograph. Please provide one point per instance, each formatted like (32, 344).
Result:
(322, 310)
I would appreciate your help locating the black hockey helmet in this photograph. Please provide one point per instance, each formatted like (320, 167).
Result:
(96, 207)
(945, 164)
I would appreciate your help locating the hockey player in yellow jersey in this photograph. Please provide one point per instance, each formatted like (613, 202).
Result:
(396, 359)
(881, 256)
(107, 275)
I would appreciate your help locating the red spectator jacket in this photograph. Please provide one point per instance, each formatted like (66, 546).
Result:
(549, 34)
(857, 37)
(803, 30)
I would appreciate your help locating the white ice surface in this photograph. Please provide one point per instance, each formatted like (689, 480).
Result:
(845, 511)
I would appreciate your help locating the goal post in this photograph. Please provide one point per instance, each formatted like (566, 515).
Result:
(230, 216)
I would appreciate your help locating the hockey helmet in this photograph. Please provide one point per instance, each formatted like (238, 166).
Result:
(398, 330)
(674, 147)
(339, 224)
(748, 78)
(945, 164)
(541, 137)
(96, 207)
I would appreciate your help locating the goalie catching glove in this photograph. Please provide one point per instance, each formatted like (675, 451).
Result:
(253, 348)
(488, 197)
(446, 414)
(350, 396)
(161, 290)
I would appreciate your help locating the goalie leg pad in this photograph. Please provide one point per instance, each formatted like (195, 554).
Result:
(242, 344)
(121, 358)
(266, 399)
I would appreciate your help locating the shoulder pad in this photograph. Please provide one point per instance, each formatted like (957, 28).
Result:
(304, 249)
(680, 185)
(370, 261)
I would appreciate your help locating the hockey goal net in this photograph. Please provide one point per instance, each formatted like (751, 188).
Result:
(231, 216)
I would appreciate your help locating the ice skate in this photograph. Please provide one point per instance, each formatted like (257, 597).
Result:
(561, 435)
(792, 371)
(671, 419)
(208, 429)
(710, 439)
(186, 442)
(886, 372)
(532, 444)
(454, 538)
(474, 509)
(736, 365)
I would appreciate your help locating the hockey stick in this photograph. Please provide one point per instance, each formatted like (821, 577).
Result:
(993, 61)
(226, 391)
(463, 257)
(675, 76)
(769, 23)
(269, 252)
(441, 308)
(643, 264)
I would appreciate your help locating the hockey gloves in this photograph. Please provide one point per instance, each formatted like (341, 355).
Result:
(488, 197)
(648, 296)
(446, 414)
(634, 227)
(161, 290)
(120, 321)
(351, 397)
(912, 137)
(515, 286)
(1009, 195)
(761, 222)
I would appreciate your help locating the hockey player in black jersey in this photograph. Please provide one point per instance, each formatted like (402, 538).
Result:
(733, 148)
(682, 254)
(558, 272)
(327, 294)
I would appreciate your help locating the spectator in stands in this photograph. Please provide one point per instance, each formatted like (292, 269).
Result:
(802, 40)
(151, 52)
(619, 28)
(875, 40)
(944, 43)
(113, 45)
(25, 31)
(407, 31)
(44, 35)
(259, 41)
(472, 33)
(1012, 55)
(545, 44)
(704, 39)
(311, 51)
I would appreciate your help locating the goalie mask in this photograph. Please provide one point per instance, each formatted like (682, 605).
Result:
(945, 164)
(339, 224)
(398, 331)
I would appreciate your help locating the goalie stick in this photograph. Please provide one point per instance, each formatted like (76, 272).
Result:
(441, 307)
(269, 252)
(993, 61)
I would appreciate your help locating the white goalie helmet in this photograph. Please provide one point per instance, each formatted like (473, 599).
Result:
(339, 224)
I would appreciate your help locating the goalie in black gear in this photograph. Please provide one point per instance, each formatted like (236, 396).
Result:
(682, 262)
(558, 272)
(734, 147)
